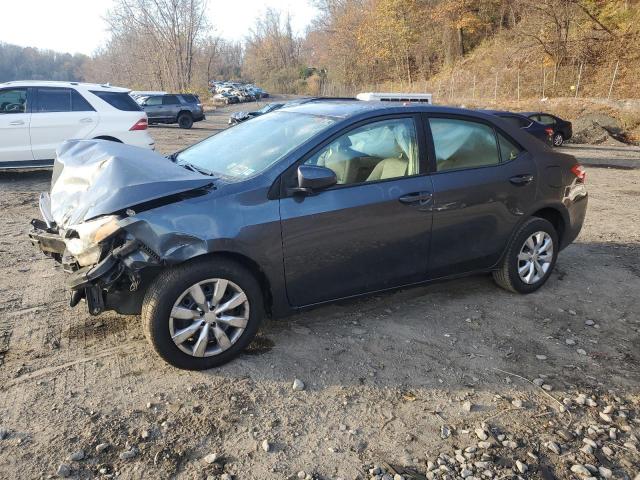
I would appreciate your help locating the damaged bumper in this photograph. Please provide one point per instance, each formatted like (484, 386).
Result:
(100, 284)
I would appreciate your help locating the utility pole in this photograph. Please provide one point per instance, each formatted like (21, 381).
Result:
(613, 79)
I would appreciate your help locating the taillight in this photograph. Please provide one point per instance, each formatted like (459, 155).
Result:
(579, 171)
(549, 131)
(141, 124)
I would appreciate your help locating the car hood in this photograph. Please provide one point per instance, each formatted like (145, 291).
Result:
(99, 177)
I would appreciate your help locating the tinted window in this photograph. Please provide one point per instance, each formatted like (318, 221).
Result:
(152, 101)
(119, 100)
(79, 104)
(463, 144)
(170, 100)
(508, 149)
(53, 100)
(377, 151)
(547, 120)
(190, 99)
(519, 122)
(13, 100)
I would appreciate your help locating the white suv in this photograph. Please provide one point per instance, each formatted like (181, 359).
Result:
(36, 117)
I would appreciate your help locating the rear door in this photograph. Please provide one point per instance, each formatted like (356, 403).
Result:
(483, 184)
(59, 114)
(171, 106)
(372, 230)
(15, 116)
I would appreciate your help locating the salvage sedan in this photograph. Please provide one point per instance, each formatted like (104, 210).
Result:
(307, 205)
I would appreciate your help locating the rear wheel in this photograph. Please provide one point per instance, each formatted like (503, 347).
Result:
(530, 258)
(558, 139)
(185, 120)
(201, 315)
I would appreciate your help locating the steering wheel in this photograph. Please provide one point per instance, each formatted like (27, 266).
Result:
(13, 107)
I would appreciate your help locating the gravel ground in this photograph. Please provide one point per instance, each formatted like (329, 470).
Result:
(454, 380)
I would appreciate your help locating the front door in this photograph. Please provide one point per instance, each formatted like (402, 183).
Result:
(154, 108)
(15, 145)
(369, 232)
(59, 114)
(482, 186)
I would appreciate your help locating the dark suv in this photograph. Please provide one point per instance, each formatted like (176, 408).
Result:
(306, 205)
(183, 109)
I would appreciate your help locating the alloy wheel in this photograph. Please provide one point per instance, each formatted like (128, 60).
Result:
(535, 257)
(209, 317)
(557, 139)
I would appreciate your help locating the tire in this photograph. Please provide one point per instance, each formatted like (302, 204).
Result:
(172, 284)
(558, 139)
(185, 120)
(508, 276)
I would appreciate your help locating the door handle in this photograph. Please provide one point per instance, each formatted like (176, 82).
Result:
(86, 120)
(520, 180)
(416, 197)
(17, 122)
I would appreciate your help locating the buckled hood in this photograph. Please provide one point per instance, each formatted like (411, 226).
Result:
(98, 177)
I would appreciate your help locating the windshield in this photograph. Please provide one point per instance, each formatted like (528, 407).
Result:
(250, 148)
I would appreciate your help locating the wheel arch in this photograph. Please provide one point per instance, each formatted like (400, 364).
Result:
(184, 111)
(108, 137)
(556, 215)
(248, 263)
(556, 218)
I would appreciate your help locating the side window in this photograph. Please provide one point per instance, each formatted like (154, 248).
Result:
(152, 101)
(508, 149)
(463, 144)
(53, 100)
(79, 103)
(515, 121)
(547, 120)
(377, 151)
(524, 122)
(13, 100)
(170, 100)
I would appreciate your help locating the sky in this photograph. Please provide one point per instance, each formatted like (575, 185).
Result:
(77, 26)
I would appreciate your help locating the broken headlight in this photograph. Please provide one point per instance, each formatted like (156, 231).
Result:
(83, 240)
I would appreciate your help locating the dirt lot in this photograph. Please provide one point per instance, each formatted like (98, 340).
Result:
(393, 381)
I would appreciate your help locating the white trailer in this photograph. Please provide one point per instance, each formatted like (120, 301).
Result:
(396, 97)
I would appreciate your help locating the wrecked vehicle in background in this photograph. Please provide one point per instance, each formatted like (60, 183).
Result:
(312, 203)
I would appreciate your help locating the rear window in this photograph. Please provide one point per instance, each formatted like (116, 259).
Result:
(191, 99)
(170, 100)
(119, 100)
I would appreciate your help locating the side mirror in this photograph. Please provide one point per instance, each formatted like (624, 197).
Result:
(312, 178)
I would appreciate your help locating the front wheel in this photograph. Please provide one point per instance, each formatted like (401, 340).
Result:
(530, 257)
(558, 139)
(202, 315)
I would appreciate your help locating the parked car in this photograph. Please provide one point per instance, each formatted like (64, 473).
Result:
(226, 98)
(180, 108)
(238, 117)
(309, 204)
(37, 116)
(562, 129)
(541, 132)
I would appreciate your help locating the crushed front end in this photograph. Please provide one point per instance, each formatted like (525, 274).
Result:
(104, 263)
(90, 227)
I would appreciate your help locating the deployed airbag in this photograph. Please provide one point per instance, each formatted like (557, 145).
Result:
(99, 177)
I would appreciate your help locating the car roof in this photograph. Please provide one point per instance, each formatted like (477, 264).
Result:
(503, 112)
(52, 83)
(344, 108)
